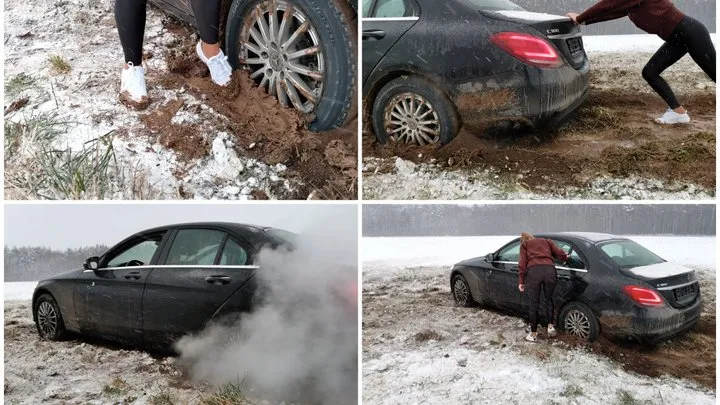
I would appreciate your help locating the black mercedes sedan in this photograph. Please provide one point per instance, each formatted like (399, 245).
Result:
(609, 284)
(160, 284)
(430, 67)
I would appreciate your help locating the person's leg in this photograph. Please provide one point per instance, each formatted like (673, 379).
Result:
(700, 46)
(550, 282)
(532, 288)
(207, 13)
(665, 57)
(130, 21)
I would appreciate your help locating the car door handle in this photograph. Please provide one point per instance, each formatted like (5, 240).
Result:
(135, 275)
(218, 279)
(373, 34)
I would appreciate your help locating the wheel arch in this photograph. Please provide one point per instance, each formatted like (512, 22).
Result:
(36, 294)
(562, 305)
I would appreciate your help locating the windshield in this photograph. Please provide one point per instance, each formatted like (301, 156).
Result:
(286, 238)
(491, 5)
(627, 254)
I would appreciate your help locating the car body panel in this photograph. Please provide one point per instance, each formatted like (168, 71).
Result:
(598, 285)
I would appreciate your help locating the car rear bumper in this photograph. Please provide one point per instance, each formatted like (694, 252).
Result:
(538, 97)
(652, 324)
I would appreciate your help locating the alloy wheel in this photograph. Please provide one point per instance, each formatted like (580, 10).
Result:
(47, 319)
(460, 291)
(410, 118)
(577, 324)
(283, 52)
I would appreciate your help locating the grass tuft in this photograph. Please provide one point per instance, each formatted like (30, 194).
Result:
(161, 399)
(59, 65)
(427, 334)
(17, 84)
(118, 386)
(229, 394)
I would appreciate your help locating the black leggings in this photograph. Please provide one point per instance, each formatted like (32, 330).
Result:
(689, 36)
(130, 21)
(540, 275)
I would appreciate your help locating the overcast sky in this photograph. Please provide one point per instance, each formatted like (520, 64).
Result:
(62, 226)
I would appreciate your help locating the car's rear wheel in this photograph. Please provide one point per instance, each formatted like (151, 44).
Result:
(48, 318)
(578, 320)
(461, 291)
(413, 110)
(300, 51)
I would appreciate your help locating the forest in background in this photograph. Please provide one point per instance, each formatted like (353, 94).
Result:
(37, 263)
(511, 219)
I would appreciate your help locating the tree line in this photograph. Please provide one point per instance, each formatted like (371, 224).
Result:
(36, 263)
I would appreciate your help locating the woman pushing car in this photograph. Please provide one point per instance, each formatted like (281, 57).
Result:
(682, 34)
(130, 20)
(537, 261)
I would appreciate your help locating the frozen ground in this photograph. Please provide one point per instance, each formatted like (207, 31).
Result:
(419, 348)
(600, 155)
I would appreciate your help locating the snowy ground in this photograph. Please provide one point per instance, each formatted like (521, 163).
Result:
(19, 290)
(616, 63)
(478, 356)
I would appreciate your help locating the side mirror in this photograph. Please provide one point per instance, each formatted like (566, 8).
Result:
(489, 258)
(91, 263)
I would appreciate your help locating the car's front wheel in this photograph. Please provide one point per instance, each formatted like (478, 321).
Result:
(578, 320)
(48, 318)
(461, 292)
(413, 110)
(300, 51)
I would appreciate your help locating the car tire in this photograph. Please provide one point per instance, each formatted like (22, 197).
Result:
(48, 318)
(461, 292)
(332, 20)
(398, 91)
(578, 319)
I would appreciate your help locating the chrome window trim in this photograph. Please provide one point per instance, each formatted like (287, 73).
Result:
(390, 18)
(557, 267)
(181, 266)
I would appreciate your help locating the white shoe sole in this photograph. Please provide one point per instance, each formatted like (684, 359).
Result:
(205, 60)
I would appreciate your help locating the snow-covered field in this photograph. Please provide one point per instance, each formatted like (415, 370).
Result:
(19, 290)
(478, 356)
(625, 43)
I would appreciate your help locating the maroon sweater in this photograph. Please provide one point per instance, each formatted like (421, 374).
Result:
(536, 252)
(652, 16)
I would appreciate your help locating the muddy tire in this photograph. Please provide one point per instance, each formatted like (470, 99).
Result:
(48, 318)
(333, 28)
(413, 110)
(578, 320)
(461, 292)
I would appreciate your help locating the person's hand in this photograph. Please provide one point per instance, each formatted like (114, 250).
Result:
(573, 17)
(521, 287)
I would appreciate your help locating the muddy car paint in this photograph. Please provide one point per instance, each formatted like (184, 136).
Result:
(324, 89)
(449, 44)
(154, 303)
(594, 279)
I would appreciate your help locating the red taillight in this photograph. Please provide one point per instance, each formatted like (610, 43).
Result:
(644, 296)
(529, 49)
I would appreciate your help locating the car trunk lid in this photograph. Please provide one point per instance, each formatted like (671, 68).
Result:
(559, 30)
(677, 284)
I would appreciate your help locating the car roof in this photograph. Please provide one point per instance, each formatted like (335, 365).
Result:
(230, 225)
(593, 237)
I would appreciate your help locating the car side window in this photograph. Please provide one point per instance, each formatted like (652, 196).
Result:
(233, 254)
(574, 260)
(195, 247)
(392, 8)
(366, 7)
(510, 253)
(138, 254)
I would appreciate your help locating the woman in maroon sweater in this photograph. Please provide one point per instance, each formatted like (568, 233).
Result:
(682, 34)
(536, 260)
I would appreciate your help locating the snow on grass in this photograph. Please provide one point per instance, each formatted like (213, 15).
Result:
(19, 290)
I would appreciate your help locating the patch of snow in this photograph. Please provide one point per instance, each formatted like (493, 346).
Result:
(19, 290)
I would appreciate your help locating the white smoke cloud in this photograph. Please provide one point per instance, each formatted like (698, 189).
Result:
(300, 343)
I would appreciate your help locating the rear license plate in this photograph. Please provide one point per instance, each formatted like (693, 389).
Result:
(575, 45)
(684, 292)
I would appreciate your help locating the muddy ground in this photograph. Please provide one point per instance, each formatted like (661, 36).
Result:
(418, 346)
(71, 138)
(610, 149)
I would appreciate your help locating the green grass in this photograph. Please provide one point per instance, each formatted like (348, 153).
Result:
(229, 394)
(17, 84)
(39, 127)
(59, 65)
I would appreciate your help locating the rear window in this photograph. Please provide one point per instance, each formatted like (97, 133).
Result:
(285, 238)
(492, 5)
(628, 254)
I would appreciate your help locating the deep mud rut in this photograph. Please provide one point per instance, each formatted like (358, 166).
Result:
(612, 135)
(417, 342)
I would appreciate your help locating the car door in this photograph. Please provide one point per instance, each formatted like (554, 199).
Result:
(384, 22)
(572, 274)
(200, 268)
(108, 300)
(504, 278)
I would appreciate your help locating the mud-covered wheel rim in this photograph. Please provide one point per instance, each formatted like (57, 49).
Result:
(577, 324)
(281, 48)
(411, 118)
(47, 319)
(460, 291)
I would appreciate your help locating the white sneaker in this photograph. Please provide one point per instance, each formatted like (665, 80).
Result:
(551, 331)
(530, 338)
(220, 69)
(133, 89)
(671, 118)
